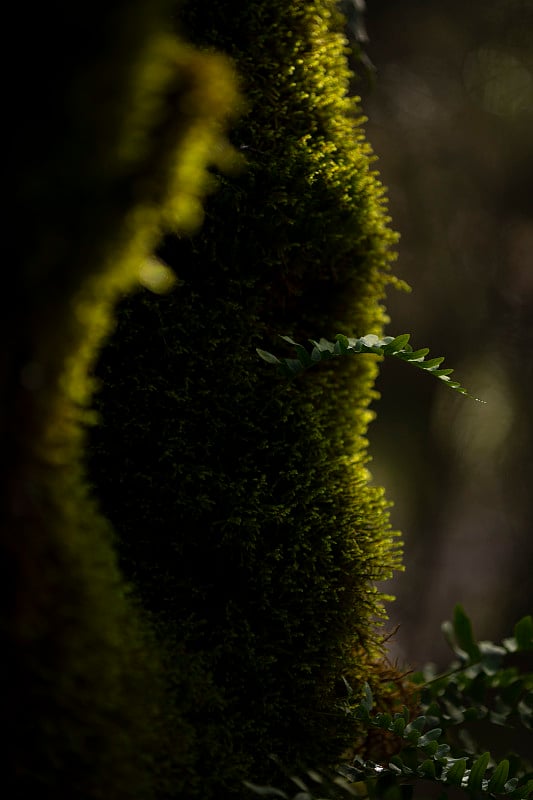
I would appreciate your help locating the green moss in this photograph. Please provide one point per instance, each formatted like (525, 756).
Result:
(242, 504)
(113, 122)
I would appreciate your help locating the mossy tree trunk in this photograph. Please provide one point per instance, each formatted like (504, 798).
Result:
(243, 506)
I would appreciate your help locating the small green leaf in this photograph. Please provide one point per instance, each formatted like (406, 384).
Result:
(370, 340)
(475, 779)
(268, 357)
(430, 736)
(492, 656)
(499, 777)
(398, 343)
(523, 633)
(443, 373)
(462, 628)
(454, 775)
(510, 644)
(323, 345)
(303, 356)
(288, 339)
(418, 722)
(342, 341)
(399, 726)
(316, 355)
(417, 355)
(427, 769)
(383, 721)
(430, 748)
(449, 635)
(368, 700)
(432, 363)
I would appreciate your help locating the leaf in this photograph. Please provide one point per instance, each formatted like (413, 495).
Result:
(342, 342)
(368, 700)
(510, 644)
(303, 356)
(429, 748)
(370, 340)
(430, 736)
(523, 633)
(499, 777)
(399, 726)
(462, 628)
(322, 345)
(413, 735)
(449, 635)
(432, 363)
(492, 656)
(427, 769)
(268, 357)
(475, 779)
(384, 721)
(416, 355)
(288, 339)
(416, 726)
(397, 343)
(454, 775)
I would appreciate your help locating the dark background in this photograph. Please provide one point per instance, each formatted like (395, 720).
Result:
(450, 107)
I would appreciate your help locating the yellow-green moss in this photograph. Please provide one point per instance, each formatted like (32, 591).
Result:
(114, 122)
(242, 504)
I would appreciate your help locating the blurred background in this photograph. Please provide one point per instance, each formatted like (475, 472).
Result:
(448, 89)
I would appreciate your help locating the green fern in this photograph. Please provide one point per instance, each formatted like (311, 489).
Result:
(484, 683)
(425, 756)
(324, 350)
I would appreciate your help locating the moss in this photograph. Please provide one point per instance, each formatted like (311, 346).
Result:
(243, 505)
(113, 121)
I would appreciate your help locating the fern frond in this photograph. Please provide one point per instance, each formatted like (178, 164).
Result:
(483, 685)
(324, 350)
